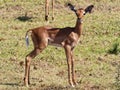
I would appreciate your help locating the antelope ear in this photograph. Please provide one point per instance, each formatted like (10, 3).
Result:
(89, 9)
(72, 7)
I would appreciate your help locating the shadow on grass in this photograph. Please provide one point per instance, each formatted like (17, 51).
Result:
(24, 18)
(10, 84)
(55, 87)
(36, 87)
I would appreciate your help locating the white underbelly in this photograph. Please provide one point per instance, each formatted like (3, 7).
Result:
(51, 42)
(54, 44)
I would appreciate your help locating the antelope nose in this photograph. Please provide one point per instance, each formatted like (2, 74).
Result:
(84, 13)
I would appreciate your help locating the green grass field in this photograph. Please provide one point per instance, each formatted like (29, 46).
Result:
(97, 56)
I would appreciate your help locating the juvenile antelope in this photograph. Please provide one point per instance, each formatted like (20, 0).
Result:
(67, 38)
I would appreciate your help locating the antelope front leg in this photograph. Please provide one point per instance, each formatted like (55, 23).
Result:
(73, 70)
(68, 56)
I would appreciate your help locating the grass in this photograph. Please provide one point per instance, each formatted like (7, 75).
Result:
(115, 48)
(96, 69)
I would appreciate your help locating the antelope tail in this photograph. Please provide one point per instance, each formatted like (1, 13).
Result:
(27, 38)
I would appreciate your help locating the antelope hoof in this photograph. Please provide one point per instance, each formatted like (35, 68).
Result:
(46, 18)
(53, 18)
(73, 85)
(26, 83)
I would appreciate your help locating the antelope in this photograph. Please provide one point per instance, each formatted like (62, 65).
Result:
(47, 9)
(67, 38)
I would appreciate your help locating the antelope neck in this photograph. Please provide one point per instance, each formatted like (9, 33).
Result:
(80, 20)
(78, 27)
